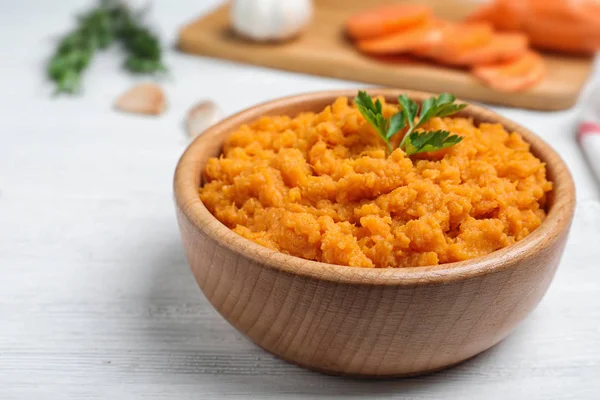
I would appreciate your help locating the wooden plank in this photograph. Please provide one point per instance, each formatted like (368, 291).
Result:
(323, 50)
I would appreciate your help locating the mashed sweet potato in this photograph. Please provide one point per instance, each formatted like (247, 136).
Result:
(321, 187)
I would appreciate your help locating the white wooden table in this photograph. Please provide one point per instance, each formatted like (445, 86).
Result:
(96, 298)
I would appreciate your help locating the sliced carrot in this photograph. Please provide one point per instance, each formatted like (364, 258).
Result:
(404, 41)
(457, 38)
(513, 76)
(386, 20)
(559, 25)
(502, 14)
(512, 14)
(560, 35)
(588, 11)
(468, 36)
(436, 48)
(502, 47)
(484, 13)
(515, 67)
(548, 8)
(575, 10)
(572, 26)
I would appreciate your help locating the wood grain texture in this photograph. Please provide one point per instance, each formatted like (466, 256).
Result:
(323, 50)
(367, 322)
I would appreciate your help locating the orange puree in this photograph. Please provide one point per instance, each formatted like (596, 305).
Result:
(320, 187)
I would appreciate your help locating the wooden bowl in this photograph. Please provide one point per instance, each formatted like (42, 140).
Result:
(367, 322)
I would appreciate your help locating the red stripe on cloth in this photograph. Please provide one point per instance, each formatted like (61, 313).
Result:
(588, 128)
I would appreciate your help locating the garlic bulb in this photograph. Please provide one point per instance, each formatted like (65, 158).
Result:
(265, 20)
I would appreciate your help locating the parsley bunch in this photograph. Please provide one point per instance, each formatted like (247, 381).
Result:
(75, 51)
(413, 141)
(98, 29)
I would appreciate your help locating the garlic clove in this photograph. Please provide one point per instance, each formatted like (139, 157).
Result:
(202, 116)
(146, 98)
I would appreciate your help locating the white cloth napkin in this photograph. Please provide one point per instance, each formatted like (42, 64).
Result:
(588, 134)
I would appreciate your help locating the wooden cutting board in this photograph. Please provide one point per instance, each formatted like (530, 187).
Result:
(324, 50)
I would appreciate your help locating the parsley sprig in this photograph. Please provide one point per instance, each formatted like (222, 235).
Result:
(413, 141)
(109, 22)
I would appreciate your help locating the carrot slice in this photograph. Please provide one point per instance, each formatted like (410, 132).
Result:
(559, 25)
(560, 35)
(588, 11)
(386, 20)
(561, 8)
(548, 8)
(505, 15)
(468, 36)
(456, 39)
(572, 26)
(513, 76)
(404, 41)
(502, 47)
(575, 10)
(512, 15)
(484, 13)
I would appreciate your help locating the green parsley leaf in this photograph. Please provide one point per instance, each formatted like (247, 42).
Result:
(419, 142)
(397, 123)
(409, 111)
(373, 113)
(413, 142)
(443, 106)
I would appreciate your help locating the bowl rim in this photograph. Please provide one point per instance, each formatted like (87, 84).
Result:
(190, 168)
